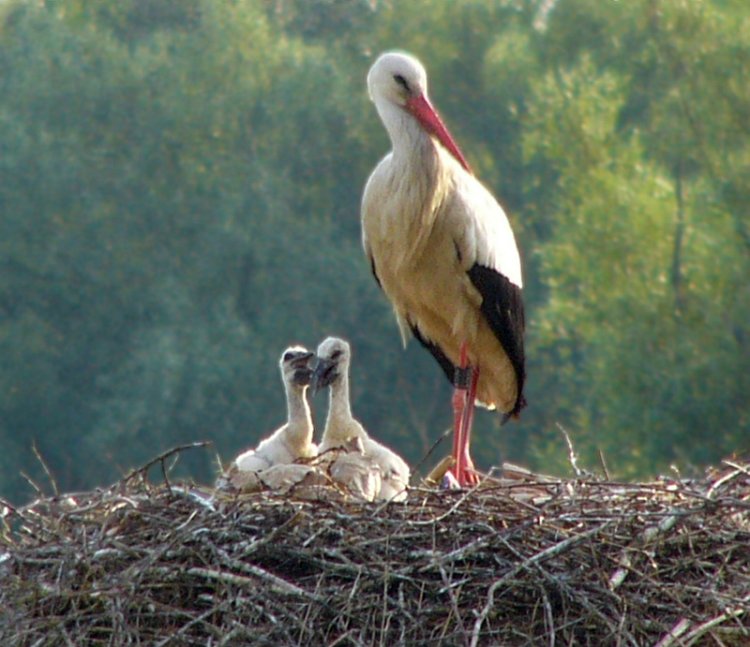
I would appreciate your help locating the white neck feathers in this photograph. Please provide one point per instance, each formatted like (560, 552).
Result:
(299, 421)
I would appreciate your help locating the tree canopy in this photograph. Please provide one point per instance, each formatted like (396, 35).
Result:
(179, 201)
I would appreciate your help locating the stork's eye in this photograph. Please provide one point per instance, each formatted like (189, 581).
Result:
(401, 81)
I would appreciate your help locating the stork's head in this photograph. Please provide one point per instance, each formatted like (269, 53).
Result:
(332, 363)
(296, 366)
(398, 79)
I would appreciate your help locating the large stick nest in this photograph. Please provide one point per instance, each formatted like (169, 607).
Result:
(518, 561)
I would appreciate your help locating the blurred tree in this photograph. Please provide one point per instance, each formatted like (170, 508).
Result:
(648, 329)
(179, 200)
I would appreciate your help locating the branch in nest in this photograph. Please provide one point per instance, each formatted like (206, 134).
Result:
(161, 458)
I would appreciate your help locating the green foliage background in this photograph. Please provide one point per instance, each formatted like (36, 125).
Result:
(179, 201)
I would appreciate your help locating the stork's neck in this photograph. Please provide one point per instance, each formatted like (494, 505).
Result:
(339, 408)
(300, 418)
(413, 148)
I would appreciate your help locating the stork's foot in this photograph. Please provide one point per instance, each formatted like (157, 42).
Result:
(465, 477)
(449, 481)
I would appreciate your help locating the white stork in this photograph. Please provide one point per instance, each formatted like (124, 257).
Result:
(442, 250)
(292, 440)
(342, 430)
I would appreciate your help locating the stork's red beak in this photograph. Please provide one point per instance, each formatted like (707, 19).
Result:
(426, 115)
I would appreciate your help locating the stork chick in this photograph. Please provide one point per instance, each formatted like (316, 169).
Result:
(349, 468)
(293, 440)
(343, 430)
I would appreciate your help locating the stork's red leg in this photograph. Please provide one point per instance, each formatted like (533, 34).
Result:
(464, 393)
(467, 474)
(459, 406)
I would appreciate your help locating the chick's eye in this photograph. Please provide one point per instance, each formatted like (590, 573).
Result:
(288, 356)
(401, 81)
(336, 354)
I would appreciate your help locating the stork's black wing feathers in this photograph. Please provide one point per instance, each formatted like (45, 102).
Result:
(502, 306)
(445, 363)
(374, 272)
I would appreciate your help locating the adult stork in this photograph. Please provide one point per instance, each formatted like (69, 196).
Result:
(442, 250)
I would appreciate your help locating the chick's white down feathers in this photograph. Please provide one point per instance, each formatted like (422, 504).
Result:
(343, 430)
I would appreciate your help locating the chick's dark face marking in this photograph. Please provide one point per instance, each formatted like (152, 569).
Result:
(332, 363)
(298, 364)
(302, 376)
(298, 358)
(325, 373)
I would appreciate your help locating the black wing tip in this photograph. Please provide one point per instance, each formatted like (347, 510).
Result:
(515, 412)
(375, 272)
(502, 307)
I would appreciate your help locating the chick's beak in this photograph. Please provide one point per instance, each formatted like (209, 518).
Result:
(323, 374)
(304, 360)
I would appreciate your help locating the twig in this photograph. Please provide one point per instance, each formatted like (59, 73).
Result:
(7, 504)
(534, 559)
(572, 457)
(549, 618)
(673, 635)
(603, 463)
(32, 483)
(275, 583)
(706, 626)
(738, 469)
(646, 536)
(430, 451)
(188, 625)
(51, 479)
(162, 457)
(449, 586)
(457, 504)
(164, 474)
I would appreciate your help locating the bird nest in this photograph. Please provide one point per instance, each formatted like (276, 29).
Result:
(521, 560)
